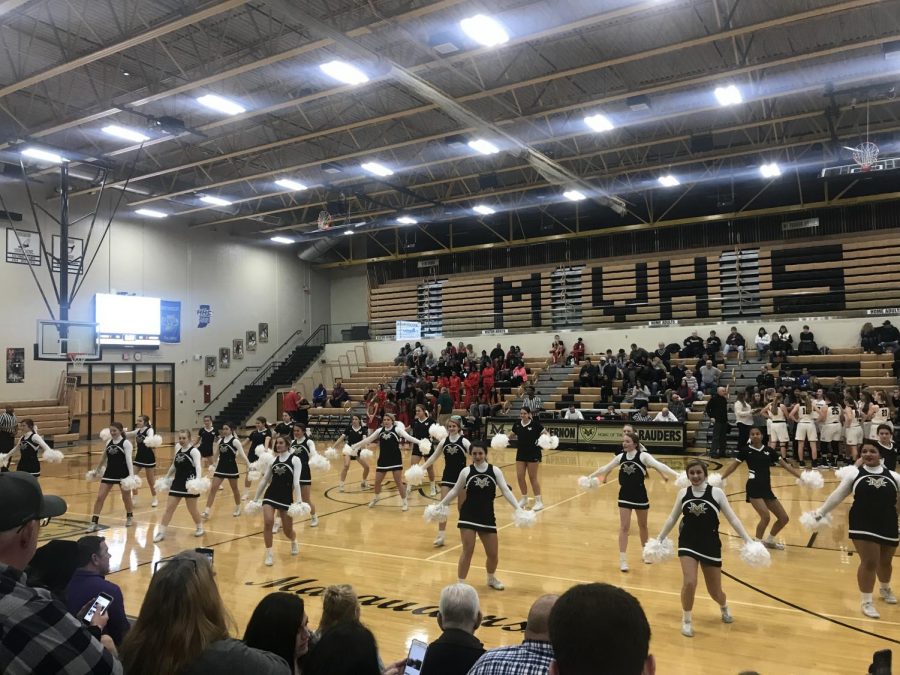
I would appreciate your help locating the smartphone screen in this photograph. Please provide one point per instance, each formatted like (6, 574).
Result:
(99, 605)
(208, 552)
(415, 658)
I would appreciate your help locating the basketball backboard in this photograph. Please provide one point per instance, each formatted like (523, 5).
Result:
(60, 340)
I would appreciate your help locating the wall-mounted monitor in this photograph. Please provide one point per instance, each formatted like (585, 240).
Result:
(127, 320)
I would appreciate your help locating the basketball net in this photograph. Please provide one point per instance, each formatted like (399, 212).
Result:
(324, 220)
(77, 359)
(865, 154)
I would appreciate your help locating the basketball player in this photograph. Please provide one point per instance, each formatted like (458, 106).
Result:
(777, 414)
(832, 429)
(806, 416)
(527, 430)
(759, 493)
(420, 426)
(304, 448)
(27, 447)
(186, 465)
(633, 462)
(145, 458)
(390, 459)
(880, 414)
(208, 435)
(225, 456)
(853, 427)
(278, 489)
(455, 450)
(116, 465)
(352, 435)
(699, 545)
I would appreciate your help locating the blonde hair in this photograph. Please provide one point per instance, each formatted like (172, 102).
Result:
(339, 603)
(182, 614)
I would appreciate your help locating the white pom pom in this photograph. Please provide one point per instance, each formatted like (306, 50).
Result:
(348, 451)
(425, 446)
(716, 480)
(52, 456)
(400, 426)
(523, 518)
(500, 441)
(331, 453)
(130, 483)
(4, 458)
(588, 482)
(162, 484)
(299, 510)
(90, 475)
(153, 441)
(755, 554)
(544, 441)
(105, 436)
(438, 432)
(811, 479)
(252, 507)
(197, 486)
(436, 513)
(554, 442)
(366, 454)
(415, 475)
(657, 551)
(813, 523)
(319, 463)
(846, 471)
(682, 481)
(259, 450)
(253, 475)
(263, 462)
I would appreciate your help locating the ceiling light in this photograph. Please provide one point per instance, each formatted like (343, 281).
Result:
(406, 220)
(289, 184)
(376, 168)
(44, 155)
(126, 133)
(483, 210)
(599, 123)
(151, 213)
(221, 104)
(669, 181)
(770, 170)
(638, 103)
(348, 231)
(484, 30)
(729, 95)
(332, 167)
(215, 201)
(484, 147)
(344, 72)
(574, 195)
(281, 240)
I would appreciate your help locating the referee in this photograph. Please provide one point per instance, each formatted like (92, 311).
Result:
(8, 425)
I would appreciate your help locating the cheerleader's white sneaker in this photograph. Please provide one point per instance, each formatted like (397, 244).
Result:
(623, 566)
(340, 487)
(205, 514)
(538, 504)
(295, 548)
(438, 541)
(523, 502)
(496, 584)
(726, 615)
(269, 561)
(237, 511)
(372, 503)
(888, 596)
(433, 490)
(199, 532)
(93, 527)
(405, 506)
(154, 503)
(158, 537)
(687, 629)
(314, 521)
(129, 521)
(869, 610)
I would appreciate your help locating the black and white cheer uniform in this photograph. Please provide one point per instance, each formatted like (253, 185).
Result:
(477, 512)
(185, 470)
(280, 492)
(527, 448)
(456, 453)
(116, 461)
(145, 457)
(300, 448)
(28, 454)
(227, 465)
(759, 462)
(207, 439)
(353, 436)
(257, 437)
(419, 430)
(873, 515)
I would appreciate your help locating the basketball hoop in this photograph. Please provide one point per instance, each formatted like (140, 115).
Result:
(324, 220)
(865, 154)
(77, 359)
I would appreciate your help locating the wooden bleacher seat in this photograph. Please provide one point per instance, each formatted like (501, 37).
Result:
(51, 419)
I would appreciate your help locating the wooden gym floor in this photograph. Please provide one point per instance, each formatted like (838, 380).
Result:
(799, 616)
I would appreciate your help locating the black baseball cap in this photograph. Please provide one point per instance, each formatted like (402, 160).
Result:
(22, 500)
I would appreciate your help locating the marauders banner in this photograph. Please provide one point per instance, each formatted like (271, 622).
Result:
(602, 436)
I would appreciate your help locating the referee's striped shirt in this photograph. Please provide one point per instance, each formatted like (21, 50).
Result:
(7, 422)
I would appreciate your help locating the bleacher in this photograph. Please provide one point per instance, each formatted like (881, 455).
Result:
(53, 421)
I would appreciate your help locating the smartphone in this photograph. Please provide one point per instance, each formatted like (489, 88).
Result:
(415, 658)
(99, 605)
(208, 552)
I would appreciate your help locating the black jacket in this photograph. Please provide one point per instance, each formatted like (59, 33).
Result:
(717, 408)
(453, 653)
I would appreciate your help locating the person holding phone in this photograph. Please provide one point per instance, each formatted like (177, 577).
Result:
(186, 466)
(89, 585)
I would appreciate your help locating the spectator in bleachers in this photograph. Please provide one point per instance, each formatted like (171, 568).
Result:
(556, 353)
(609, 372)
(640, 395)
(320, 396)
(346, 649)
(573, 413)
(444, 406)
(578, 350)
(676, 372)
(532, 401)
(657, 375)
(588, 376)
(781, 345)
(807, 344)
(519, 375)
(665, 415)
(888, 337)
(611, 415)
(662, 353)
(713, 345)
(457, 649)
(472, 384)
(454, 388)
(638, 354)
(868, 338)
(339, 395)
(765, 379)
(279, 625)
(533, 656)
(405, 351)
(709, 377)
(803, 379)
(677, 407)
(763, 342)
(734, 343)
(688, 389)
(693, 346)
(621, 358)
(89, 580)
(717, 410)
(497, 355)
(487, 380)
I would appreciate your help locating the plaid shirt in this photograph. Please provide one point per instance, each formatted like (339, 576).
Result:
(532, 657)
(38, 635)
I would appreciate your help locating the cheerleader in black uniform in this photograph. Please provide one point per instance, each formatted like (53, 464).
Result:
(304, 447)
(28, 447)
(116, 466)
(278, 489)
(873, 523)
(145, 458)
(528, 456)
(207, 435)
(634, 463)
(477, 487)
(420, 426)
(455, 450)
(389, 437)
(186, 465)
(352, 435)
(286, 426)
(886, 447)
(699, 505)
(262, 435)
(759, 460)
(226, 453)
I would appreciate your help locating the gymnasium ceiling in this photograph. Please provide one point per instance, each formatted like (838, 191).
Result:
(814, 75)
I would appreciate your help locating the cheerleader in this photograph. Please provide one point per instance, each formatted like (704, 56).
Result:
(27, 447)
(873, 523)
(777, 414)
(261, 435)
(286, 426)
(852, 427)
(278, 489)
(352, 435)
(886, 447)
(455, 450)
(225, 456)
(879, 413)
(389, 458)
(477, 487)
(420, 425)
(831, 427)
(759, 493)
(117, 466)
(699, 505)
(145, 458)
(633, 462)
(303, 447)
(186, 466)
(208, 435)
(807, 416)
(527, 430)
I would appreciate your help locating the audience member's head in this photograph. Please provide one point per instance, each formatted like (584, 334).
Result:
(459, 608)
(23, 507)
(182, 614)
(93, 554)
(339, 604)
(279, 625)
(348, 648)
(583, 621)
(538, 625)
